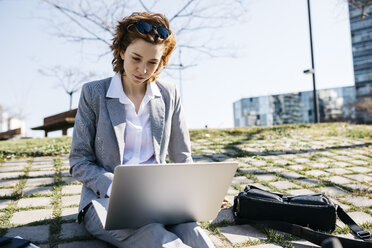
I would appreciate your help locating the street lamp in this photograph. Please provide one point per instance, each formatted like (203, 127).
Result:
(311, 71)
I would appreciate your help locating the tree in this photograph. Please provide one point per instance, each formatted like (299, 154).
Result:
(360, 4)
(196, 24)
(70, 79)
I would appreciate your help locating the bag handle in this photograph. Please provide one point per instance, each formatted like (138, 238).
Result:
(344, 217)
(311, 235)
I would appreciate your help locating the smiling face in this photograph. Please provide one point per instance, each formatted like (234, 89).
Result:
(141, 59)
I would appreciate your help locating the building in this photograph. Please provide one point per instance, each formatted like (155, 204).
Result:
(9, 122)
(361, 39)
(335, 104)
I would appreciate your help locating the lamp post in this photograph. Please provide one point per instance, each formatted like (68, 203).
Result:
(311, 71)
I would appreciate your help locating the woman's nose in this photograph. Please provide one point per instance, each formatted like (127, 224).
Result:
(142, 68)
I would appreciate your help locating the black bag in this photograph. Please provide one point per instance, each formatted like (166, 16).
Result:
(293, 214)
(9, 242)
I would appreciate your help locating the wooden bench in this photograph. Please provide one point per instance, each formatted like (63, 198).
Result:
(61, 121)
(10, 134)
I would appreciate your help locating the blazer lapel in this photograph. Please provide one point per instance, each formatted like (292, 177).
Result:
(117, 115)
(157, 115)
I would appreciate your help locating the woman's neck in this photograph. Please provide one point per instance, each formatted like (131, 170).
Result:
(132, 89)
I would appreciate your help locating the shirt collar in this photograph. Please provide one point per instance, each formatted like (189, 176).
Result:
(116, 90)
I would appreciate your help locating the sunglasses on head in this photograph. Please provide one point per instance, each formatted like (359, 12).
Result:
(145, 28)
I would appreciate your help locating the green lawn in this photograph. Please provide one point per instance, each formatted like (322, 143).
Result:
(56, 146)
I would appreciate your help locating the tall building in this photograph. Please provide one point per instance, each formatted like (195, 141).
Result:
(335, 104)
(361, 38)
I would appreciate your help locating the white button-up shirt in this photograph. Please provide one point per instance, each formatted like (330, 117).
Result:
(139, 148)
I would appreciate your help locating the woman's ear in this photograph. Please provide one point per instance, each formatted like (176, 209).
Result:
(122, 55)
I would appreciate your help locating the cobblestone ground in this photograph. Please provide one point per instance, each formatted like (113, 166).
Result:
(39, 199)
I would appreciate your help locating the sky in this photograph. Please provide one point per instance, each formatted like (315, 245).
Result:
(273, 50)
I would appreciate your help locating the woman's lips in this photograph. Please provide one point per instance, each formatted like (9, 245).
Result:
(138, 77)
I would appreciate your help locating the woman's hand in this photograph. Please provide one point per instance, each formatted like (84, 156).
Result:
(224, 203)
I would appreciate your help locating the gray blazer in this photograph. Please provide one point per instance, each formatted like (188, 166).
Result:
(98, 137)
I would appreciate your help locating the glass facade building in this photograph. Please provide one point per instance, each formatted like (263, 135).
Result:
(336, 104)
(361, 38)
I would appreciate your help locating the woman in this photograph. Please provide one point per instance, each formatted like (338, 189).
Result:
(131, 119)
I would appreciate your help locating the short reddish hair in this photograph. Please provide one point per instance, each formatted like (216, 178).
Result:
(126, 32)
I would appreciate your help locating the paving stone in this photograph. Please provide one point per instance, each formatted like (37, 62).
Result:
(70, 200)
(215, 240)
(68, 180)
(360, 169)
(241, 233)
(360, 187)
(318, 165)
(339, 180)
(258, 163)
(338, 171)
(265, 177)
(341, 164)
(358, 217)
(206, 160)
(38, 190)
(344, 206)
(264, 246)
(324, 160)
(46, 167)
(297, 167)
(361, 156)
(15, 162)
(260, 186)
(240, 180)
(220, 157)
(11, 168)
(225, 214)
(303, 244)
(15, 174)
(342, 158)
(6, 192)
(291, 175)
(40, 173)
(25, 217)
(300, 192)
(232, 191)
(250, 170)
(275, 169)
(359, 162)
(302, 160)
(282, 185)
(33, 233)
(359, 201)
(41, 160)
(360, 178)
(70, 230)
(317, 173)
(333, 191)
(34, 202)
(4, 203)
(69, 213)
(282, 162)
(39, 181)
(308, 181)
(72, 189)
(91, 244)
(8, 182)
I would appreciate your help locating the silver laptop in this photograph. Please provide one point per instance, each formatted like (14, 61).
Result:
(167, 194)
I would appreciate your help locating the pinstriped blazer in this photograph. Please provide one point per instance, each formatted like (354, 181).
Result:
(98, 136)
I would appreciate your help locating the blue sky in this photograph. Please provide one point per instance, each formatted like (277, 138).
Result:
(273, 52)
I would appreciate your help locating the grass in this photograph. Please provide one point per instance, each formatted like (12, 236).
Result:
(34, 147)
(271, 143)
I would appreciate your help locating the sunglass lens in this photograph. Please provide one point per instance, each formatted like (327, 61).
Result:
(143, 27)
(163, 32)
